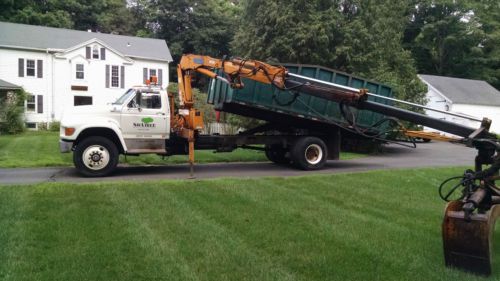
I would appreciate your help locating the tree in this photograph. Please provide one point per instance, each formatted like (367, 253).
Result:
(443, 37)
(373, 47)
(110, 16)
(274, 30)
(34, 12)
(358, 36)
(191, 26)
(486, 57)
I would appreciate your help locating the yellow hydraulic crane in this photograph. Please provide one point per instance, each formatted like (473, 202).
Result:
(189, 120)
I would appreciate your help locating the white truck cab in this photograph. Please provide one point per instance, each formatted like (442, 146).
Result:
(136, 123)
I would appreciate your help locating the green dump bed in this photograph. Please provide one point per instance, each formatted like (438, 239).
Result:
(266, 102)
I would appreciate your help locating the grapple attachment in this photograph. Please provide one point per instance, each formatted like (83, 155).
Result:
(467, 239)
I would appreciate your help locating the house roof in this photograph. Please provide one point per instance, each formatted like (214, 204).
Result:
(4, 85)
(49, 38)
(464, 91)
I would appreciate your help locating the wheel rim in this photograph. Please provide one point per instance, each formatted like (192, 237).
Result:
(96, 157)
(313, 154)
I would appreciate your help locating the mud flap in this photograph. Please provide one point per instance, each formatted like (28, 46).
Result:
(468, 243)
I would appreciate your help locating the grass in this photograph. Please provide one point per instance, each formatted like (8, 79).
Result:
(41, 149)
(367, 226)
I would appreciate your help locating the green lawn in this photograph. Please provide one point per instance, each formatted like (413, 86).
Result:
(367, 226)
(41, 149)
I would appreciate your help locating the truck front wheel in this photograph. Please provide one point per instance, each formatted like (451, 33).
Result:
(95, 157)
(309, 153)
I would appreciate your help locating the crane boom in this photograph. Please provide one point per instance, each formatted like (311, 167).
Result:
(234, 70)
(189, 120)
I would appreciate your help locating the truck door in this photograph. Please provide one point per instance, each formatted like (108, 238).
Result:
(144, 122)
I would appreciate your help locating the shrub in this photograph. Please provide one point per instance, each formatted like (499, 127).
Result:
(42, 126)
(54, 126)
(11, 113)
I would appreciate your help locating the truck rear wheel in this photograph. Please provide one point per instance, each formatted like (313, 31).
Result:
(277, 154)
(309, 153)
(95, 157)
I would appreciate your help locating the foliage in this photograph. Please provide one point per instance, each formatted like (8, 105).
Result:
(54, 126)
(242, 122)
(42, 126)
(110, 16)
(455, 38)
(200, 102)
(445, 37)
(11, 112)
(373, 48)
(191, 26)
(387, 41)
(275, 31)
(487, 54)
(362, 37)
(441, 35)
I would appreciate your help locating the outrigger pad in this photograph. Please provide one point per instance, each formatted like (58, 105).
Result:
(467, 243)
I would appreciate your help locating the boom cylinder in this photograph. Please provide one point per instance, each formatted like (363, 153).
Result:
(358, 99)
(417, 118)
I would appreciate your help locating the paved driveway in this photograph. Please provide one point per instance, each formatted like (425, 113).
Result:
(432, 154)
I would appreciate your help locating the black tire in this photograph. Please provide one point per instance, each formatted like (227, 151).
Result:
(101, 157)
(277, 154)
(309, 153)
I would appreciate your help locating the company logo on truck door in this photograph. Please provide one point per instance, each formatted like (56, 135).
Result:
(147, 122)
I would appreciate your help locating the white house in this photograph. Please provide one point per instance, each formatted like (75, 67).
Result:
(473, 98)
(64, 68)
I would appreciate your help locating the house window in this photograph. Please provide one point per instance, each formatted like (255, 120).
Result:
(95, 52)
(30, 103)
(82, 100)
(115, 78)
(31, 125)
(152, 72)
(147, 73)
(30, 68)
(80, 71)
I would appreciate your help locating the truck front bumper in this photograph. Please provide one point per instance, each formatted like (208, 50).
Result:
(65, 146)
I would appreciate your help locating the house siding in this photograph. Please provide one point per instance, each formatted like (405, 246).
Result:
(438, 101)
(479, 111)
(9, 71)
(59, 75)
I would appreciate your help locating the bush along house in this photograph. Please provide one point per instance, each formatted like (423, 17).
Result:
(63, 69)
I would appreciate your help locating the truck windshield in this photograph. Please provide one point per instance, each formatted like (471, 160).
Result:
(125, 97)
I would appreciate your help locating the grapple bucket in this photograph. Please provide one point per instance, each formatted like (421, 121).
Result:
(467, 242)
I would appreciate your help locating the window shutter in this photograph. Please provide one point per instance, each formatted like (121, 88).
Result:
(87, 52)
(144, 75)
(160, 76)
(122, 77)
(39, 100)
(21, 68)
(107, 75)
(103, 53)
(39, 68)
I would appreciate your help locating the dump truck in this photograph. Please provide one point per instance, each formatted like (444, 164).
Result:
(303, 131)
